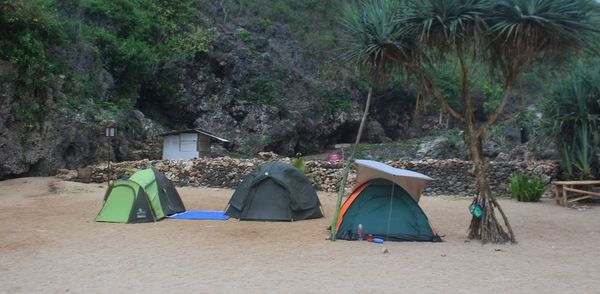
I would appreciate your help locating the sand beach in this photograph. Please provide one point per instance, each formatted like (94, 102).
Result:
(50, 243)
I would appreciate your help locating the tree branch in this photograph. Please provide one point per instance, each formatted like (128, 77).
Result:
(511, 234)
(464, 79)
(430, 84)
(494, 117)
(446, 107)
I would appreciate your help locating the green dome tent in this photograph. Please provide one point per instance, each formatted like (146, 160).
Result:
(384, 202)
(147, 196)
(275, 191)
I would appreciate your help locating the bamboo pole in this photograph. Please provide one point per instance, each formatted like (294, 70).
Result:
(347, 164)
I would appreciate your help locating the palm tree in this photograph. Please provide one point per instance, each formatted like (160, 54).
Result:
(508, 35)
(517, 33)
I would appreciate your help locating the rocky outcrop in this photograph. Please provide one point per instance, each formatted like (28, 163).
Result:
(32, 146)
(257, 86)
(258, 89)
(451, 177)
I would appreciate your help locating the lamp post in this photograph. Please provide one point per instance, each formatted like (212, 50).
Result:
(110, 131)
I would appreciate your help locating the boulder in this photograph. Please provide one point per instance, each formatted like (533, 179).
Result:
(431, 149)
(491, 149)
(84, 174)
(66, 175)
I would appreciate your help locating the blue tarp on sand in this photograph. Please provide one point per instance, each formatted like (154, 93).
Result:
(200, 215)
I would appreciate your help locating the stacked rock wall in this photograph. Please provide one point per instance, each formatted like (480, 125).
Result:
(452, 177)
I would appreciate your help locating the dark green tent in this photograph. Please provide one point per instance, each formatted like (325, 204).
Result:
(275, 191)
(147, 196)
(382, 204)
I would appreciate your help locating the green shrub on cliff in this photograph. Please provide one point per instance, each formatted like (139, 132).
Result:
(132, 40)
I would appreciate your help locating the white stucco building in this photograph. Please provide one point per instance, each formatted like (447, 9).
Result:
(188, 144)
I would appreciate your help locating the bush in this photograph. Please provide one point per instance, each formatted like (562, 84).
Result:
(336, 100)
(572, 118)
(526, 189)
(27, 31)
(266, 90)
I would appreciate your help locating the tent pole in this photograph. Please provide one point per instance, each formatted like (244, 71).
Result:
(151, 208)
(387, 233)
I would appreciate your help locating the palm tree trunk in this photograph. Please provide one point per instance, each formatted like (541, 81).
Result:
(486, 228)
(350, 160)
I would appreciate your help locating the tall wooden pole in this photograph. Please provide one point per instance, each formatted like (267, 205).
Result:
(347, 164)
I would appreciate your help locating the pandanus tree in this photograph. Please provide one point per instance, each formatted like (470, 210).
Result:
(507, 36)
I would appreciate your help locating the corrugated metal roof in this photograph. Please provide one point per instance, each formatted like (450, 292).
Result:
(196, 130)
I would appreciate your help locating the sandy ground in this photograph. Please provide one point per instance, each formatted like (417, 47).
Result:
(50, 243)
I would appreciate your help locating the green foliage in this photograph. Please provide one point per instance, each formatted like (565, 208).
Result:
(250, 147)
(445, 25)
(245, 36)
(29, 57)
(298, 163)
(584, 150)
(375, 39)
(26, 114)
(312, 23)
(497, 133)
(520, 30)
(332, 101)
(265, 22)
(27, 29)
(448, 82)
(526, 189)
(129, 60)
(315, 4)
(577, 157)
(143, 35)
(493, 95)
(290, 12)
(112, 107)
(165, 88)
(455, 139)
(266, 141)
(198, 40)
(265, 90)
(419, 33)
(134, 40)
(572, 118)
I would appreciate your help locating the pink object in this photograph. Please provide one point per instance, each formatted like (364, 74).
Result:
(334, 155)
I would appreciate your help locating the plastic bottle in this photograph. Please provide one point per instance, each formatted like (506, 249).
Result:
(360, 232)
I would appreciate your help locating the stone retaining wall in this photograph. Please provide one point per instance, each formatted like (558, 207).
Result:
(452, 177)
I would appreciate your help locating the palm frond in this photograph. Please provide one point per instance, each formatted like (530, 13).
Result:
(443, 24)
(376, 39)
(521, 30)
